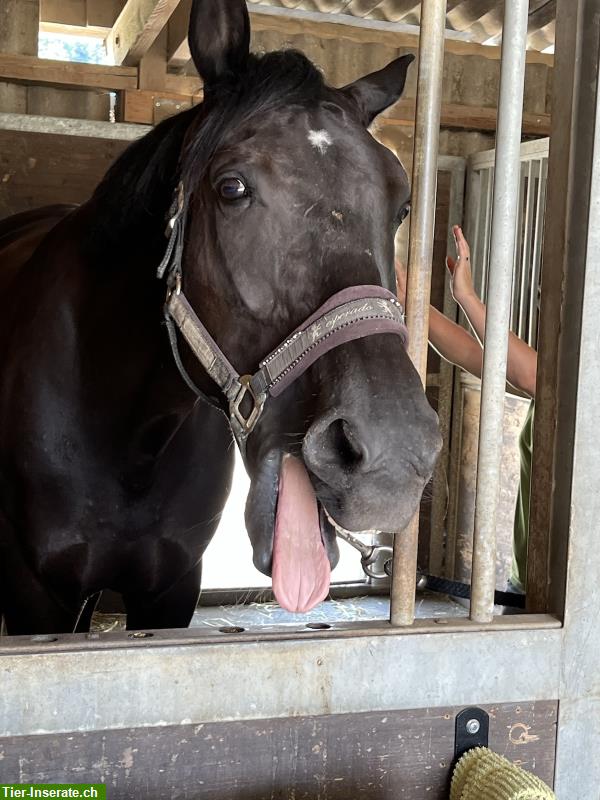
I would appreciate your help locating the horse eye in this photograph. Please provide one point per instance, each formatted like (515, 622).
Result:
(232, 189)
(403, 214)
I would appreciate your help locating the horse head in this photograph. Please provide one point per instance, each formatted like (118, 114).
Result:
(290, 200)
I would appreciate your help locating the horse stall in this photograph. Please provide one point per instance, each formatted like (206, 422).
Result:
(374, 692)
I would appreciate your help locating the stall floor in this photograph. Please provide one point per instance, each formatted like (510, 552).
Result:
(252, 615)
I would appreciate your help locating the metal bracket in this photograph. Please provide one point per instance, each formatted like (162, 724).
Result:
(472, 730)
(247, 424)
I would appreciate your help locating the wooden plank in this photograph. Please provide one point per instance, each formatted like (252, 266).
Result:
(568, 146)
(81, 13)
(29, 69)
(149, 108)
(401, 754)
(29, 123)
(137, 27)
(38, 169)
(402, 114)
(74, 30)
(66, 12)
(183, 84)
(152, 71)
(465, 117)
(103, 13)
(178, 51)
(71, 103)
(18, 34)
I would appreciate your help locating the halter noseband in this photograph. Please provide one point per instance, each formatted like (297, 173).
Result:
(353, 313)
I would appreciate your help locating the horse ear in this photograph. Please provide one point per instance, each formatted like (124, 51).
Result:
(379, 90)
(219, 38)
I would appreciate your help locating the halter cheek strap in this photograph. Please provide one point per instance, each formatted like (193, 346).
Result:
(353, 313)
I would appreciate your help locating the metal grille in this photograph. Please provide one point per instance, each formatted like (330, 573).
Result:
(529, 233)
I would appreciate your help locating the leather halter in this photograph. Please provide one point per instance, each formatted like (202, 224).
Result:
(353, 313)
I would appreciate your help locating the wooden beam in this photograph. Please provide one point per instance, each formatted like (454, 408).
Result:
(137, 27)
(465, 118)
(152, 70)
(149, 108)
(183, 84)
(178, 51)
(81, 13)
(29, 69)
(184, 92)
(74, 30)
(30, 123)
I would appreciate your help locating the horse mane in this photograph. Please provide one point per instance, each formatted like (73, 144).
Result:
(138, 188)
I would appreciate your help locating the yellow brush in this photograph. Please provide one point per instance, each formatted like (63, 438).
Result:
(483, 775)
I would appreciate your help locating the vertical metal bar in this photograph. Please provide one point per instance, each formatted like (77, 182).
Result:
(418, 289)
(529, 235)
(517, 276)
(506, 184)
(487, 226)
(474, 200)
(439, 501)
(537, 253)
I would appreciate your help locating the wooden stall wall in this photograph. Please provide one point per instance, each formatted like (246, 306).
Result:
(397, 755)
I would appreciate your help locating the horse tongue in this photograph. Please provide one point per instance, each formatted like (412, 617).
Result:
(301, 571)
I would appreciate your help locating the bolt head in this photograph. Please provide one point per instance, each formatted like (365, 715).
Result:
(473, 726)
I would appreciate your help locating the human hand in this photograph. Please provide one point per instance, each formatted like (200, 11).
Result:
(461, 280)
(401, 282)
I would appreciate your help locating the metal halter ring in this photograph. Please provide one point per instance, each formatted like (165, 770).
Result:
(248, 423)
(368, 560)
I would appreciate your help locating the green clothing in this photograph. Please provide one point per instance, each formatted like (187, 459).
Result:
(518, 575)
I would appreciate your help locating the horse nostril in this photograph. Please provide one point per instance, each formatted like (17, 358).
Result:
(343, 445)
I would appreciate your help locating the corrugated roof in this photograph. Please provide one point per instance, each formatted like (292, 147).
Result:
(477, 20)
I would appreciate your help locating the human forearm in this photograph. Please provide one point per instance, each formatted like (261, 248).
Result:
(454, 343)
(521, 363)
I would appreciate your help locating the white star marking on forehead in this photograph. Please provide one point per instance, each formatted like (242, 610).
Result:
(320, 140)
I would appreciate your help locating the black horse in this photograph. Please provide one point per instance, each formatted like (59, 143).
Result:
(113, 473)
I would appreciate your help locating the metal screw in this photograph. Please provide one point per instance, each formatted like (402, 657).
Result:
(473, 726)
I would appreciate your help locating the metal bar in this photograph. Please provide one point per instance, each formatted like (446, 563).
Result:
(439, 501)
(506, 184)
(474, 198)
(538, 148)
(424, 180)
(533, 175)
(487, 213)
(517, 275)
(536, 257)
(454, 476)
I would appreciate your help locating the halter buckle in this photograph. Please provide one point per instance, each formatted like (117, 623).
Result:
(247, 423)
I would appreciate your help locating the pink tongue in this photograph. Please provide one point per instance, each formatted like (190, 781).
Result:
(301, 571)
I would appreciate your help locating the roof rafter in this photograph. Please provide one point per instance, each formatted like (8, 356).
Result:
(137, 28)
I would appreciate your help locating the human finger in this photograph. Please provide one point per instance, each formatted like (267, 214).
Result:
(462, 246)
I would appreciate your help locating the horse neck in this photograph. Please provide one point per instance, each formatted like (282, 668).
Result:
(121, 237)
